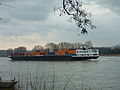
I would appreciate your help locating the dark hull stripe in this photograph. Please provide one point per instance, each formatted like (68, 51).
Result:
(51, 58)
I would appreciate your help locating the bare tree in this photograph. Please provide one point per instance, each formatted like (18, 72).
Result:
(65, 45)
(37, 48)
(51, 46)
(74, 9)
(88, 44)
(21, 49)
(77, 45)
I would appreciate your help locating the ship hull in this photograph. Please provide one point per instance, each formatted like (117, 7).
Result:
(50, 58)
(84, 58)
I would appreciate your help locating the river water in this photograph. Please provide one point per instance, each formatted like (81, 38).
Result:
(100, 74)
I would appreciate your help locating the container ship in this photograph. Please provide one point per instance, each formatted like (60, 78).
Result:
(57, 55)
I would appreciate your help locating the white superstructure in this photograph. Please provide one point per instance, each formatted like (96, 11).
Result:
(87, 52)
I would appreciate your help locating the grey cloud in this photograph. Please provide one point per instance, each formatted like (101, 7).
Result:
(110, 2)
(33, 19)
(29, 10)
(114, 5)
(4, 20)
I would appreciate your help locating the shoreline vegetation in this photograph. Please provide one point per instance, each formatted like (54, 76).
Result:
(109, 54)
(49, 47)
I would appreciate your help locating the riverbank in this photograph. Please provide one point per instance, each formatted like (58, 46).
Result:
(109, 54)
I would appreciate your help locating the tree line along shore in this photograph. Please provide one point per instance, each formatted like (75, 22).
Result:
(103, 51)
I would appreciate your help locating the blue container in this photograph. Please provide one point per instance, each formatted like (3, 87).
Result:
(50, 53)
(67, 54)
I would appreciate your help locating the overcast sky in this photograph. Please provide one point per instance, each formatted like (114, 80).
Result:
(33, 22)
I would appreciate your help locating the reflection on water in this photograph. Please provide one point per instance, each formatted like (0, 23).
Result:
(100, 74)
